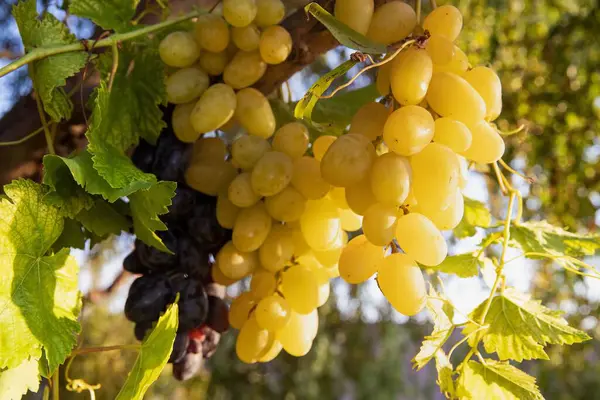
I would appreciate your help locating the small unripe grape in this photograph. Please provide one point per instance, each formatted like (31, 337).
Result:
(410, 75)
(213, 63)
(239, 13)
(219, 278)
(401, 282)
(320, 224)
(252, 341)
(269, 12)
(254, 113)
(215, 107)
(392, 22)
(277, 250)
(246, 38)
(180, 121)
(273, 313)
(421, 239)
(307, 178)
(272, 173)
(212, 33)
(275, 44)
(488, 85)
(458, 65)
(262, 284)
(487, 145)
(440, 49)
(300, 288)
(360, 196)
(350, 220)
(240, 191)
(379, 224)
(291, 139)
(226, 211)
(251, 228)
(244, 70)
(452, 96)
(453, 134)
(287, 205)
(236, 264)
(210, 178)
(448, 218)
(408, 130)
(247, 150)
(321, 144)
(348, 160)
(186, 85)
(390, 179)
(296, 335)
(239, 310)
(209, 150)
(383, 79)
(369, 120)
(359, 260)
(356, 14)
(178, 49)
(445, 21)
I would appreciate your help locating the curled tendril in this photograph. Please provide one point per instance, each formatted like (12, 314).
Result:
(79, 385)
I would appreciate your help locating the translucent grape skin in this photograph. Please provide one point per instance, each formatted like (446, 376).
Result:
(401, 282)
(487, 145)
(453, 134)
(410, 75)
(252, 341)
(240, 309)
(275, 44)
(488, 85)
(185, 85)
(226, 211)
(272, 173)
(244, 70)
(210, 178)
(178, 49)
(452, 96)
(300, 288)
(240, 191)
(440, 49)
(213, 63)
(287, 205)
(445, 20)
(273, 313)
(254, 113)
(356, 14)
(277, 249)
(269, 12)
(239, 13)
(291, 139)
(390, 179)
(246, 38)
(212, 33)
(448, 218)
(408, 130)
(360, 196)
(296, 336)
(307, 178)
(392, 22)
(247, 150)
(379, 224)
(180, 121)
(350, 220)
(359, 260)
(421, 239)
(458, 65)
(262, 284)
(214, 108)
(209, 150)
(348, 160)
(236, 264)
(320, 224)
(251, 228)
(369, 120)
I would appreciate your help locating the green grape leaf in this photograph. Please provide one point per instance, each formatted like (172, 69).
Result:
(339, 110)
(343, 33)
(130, 109)
(146, 206)
(49, 74)
(462, 265)
(72, 236)
(442, 314)
(496, 380)
(39, 300)
(283, 115)
(103, 219)
(109, 14)
(476, 214)
(153, 356)
(15, 382)
(520, 327)
(65, 193)
(444, 371)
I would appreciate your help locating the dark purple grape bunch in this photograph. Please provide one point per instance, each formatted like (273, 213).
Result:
(194, 236)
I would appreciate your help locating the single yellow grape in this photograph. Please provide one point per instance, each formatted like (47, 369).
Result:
(348, 160)
(287, 205)
(219, 277)
(240, 308)
(236, 264)
(453, 134)
(331, 257)
(487, 145)
(447, 218)
(272, 173)
(269, 12)
(252, 341)
(275, 44)
(359, 259)
(451, 96)
(445, 21)
(392, 22)
(277, 250)
(212, 33)
(180, 121)
(185, 85)
(350, 220)
(310, 324)
(254, 113)
(251, 228)
(324, 286)
(440, 49)
(309, 260)
(421, 239)
(213, 63)
(410, 75)
(379, 224)
(244, 70)
(488, 85)
(360, 196)
(390, 179)
(240, 192)
(321, 144)
(356, 14)
(383, 80)
(215, 107)
(262, 284)
(246, 38)
(300, 246)
(209, 150)
(338, 195)
(273, 351)
(408, 130)
(210, 178)
(307, 178)
(401, 282)
(291, 139)
(178, 49)
(226, 211)
(273, 313)
(300, 288)
(458, 65)
(295, 336)
(369, 120)
(247, 150)
(239, 13)
(320, 224)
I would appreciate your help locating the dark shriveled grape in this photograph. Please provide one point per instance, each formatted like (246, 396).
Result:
(188, 367)
(180, 346)
(193, 259)
(142, 328)
(154, 259)
(148, 296)
(170, 158)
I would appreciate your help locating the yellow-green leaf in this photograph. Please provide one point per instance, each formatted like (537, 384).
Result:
(476, 214)
(462, 265)
(15, 382)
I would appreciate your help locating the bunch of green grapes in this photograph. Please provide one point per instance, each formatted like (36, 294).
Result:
(223, 54)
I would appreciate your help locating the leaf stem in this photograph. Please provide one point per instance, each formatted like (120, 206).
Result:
(89, 350)
(115, 66)
(23, 139)
(43, 52)
(42, 113)
(56, 385)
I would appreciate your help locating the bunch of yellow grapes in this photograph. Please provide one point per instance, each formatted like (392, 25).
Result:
(233, 49)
